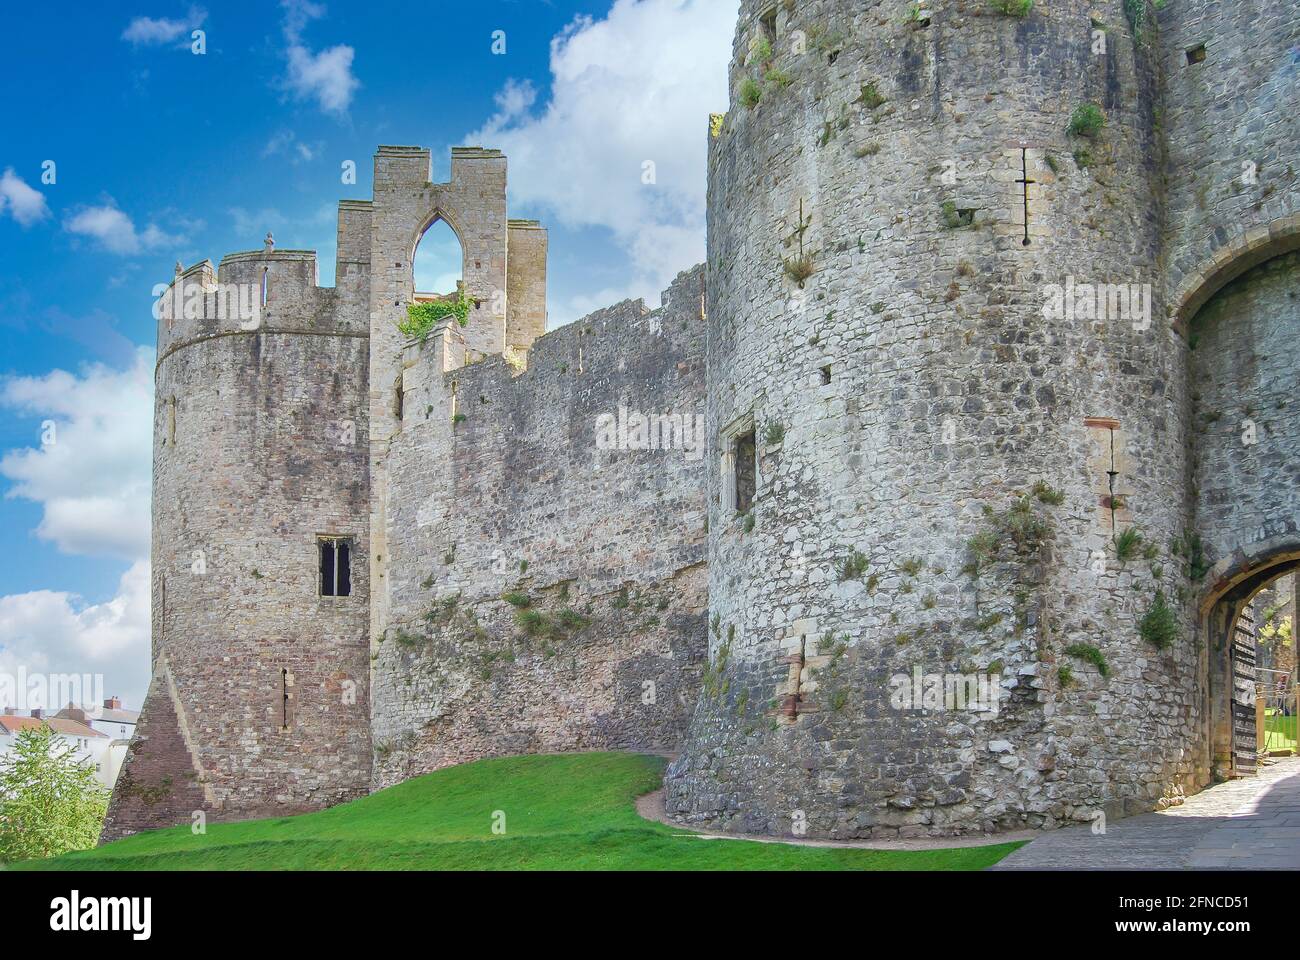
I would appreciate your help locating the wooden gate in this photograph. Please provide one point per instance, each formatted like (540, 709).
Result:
(1245, 747)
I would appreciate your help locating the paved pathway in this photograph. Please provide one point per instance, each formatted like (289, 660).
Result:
(1248, 824)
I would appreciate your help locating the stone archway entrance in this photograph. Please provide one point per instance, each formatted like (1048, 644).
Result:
(1244, 432)
(1235, 679)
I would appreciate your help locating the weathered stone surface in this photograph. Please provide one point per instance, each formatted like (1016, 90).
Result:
(890, 415)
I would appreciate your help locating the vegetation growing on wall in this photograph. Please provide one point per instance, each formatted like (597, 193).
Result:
(1090, 654)
(1013, 8)
(1159, 627)
(1086, 121)
(1138, 13)
(421, 318)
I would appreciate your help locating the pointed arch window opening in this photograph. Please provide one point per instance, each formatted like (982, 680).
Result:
(438, 262)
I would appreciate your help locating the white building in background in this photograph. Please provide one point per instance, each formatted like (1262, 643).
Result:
(88, 745)
(112, 721)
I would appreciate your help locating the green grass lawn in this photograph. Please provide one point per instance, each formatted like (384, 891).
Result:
(1279, 731)
(571, 812)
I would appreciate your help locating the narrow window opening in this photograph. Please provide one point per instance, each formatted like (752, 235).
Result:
(335, 566)
(171, 421)
(1196, 54)
(455, 402)
(266, 284)
(826, 374)
(1113, 501)
(286, 700)
(1024, 181)
(767, 22)
(746, 470)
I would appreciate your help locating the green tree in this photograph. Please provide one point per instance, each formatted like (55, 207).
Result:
(49, 802)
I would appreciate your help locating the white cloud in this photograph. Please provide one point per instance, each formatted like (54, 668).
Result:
(116, 232)
(637, 86)
(25, 205)
(154, 32)
(93, 481)
(286, 143)
(325, 76)
(54, 632)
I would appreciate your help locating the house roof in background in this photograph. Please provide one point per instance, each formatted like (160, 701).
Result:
(69, 728)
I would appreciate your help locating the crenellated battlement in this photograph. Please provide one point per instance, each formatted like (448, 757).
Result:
(250, 292)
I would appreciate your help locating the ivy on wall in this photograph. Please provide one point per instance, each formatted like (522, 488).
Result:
(421, 318)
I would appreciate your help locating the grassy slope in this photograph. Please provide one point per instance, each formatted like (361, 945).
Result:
(1280, 731)
(572, 812)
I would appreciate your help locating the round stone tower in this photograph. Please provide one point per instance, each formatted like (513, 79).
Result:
(943, 390)
(259, 699)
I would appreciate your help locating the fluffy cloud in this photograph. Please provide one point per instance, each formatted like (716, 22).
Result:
(631, 89)
(324, 76)
(51, 632)
(20, 201)
(93, 480)
(151, 32)
(286, 143)
(93, 483)
(116, 232)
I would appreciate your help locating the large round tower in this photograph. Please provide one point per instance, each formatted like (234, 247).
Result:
(259, 699)
(942, 388)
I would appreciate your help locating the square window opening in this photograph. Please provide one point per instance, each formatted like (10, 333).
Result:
(1196, 54)
(826, 374)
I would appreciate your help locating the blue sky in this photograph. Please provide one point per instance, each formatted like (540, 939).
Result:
(162, 154)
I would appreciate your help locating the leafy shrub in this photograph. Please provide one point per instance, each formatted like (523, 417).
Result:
(1159, 627)
(50, 803)
(421, 318)
(1086, 121)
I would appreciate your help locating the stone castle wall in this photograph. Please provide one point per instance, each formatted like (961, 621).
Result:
(1231, 125)
(914, 467)
(905, 399)
(1246, 477)
(259, 448)
(500, 488)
